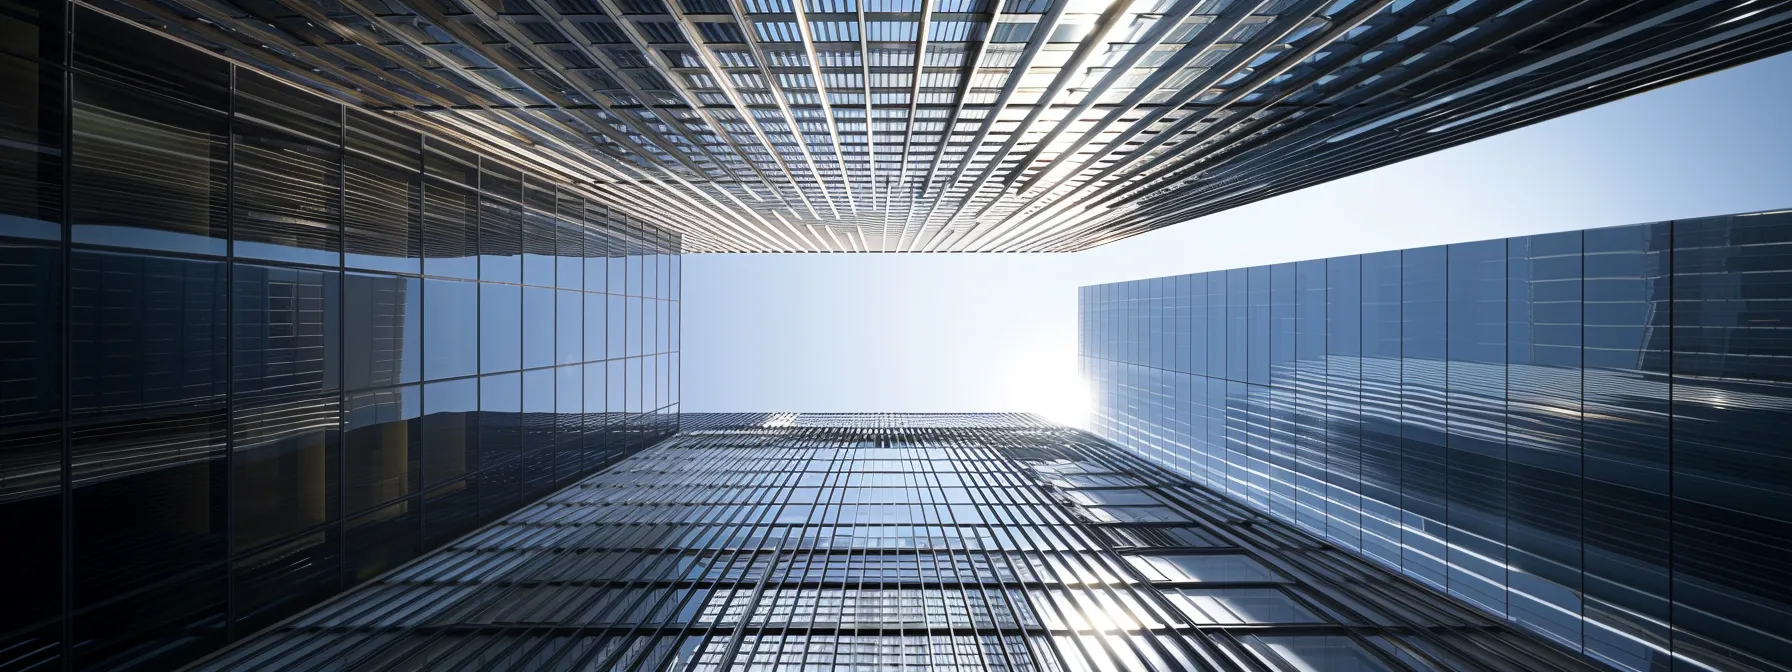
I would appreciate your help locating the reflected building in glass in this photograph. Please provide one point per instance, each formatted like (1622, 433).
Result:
(1582, 433)
(790, 541)
(256, 346)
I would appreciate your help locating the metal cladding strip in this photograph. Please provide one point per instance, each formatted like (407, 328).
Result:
(821, 92)
(906, 243)
(779, 97)
(1236, 62)
(740, 15)
(1171, 21)
(726, 85)
(914, 105)
(663, 69)
(1103, 25)
(1047, 25)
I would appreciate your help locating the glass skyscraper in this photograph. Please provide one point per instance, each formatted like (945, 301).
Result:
(961, 125)
(1582, 433)
(884, 542)
(256, 346)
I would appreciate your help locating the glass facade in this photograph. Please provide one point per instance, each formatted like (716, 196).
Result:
(1575, 432)
(880, 542)
(944, 125)
(256, 347)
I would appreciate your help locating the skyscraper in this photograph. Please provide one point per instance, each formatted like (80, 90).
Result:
(872, 541)
(256, 346)
(1578, 432)
(961, 125)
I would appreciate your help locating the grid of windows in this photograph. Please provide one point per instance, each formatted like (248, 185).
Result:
(969, 125)
(1579, 432)
(256, 346)
(823, 542)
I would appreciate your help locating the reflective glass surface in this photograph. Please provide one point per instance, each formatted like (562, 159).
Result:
(1575, 432)
(872, 541)
(244, 328)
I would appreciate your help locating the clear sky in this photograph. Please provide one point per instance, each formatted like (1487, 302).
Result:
(853, 332)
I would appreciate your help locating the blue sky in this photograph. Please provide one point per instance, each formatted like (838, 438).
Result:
(998, 332)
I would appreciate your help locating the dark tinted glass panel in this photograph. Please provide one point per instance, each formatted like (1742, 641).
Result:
(500, 223)
(284, 465)
(449, 510)
(155, 627)
(149, 172)
(1475, 386)
(500, 417)
(147, 400)
(539, 431)
(144, 60)
(1343, 399)
(1732, 510)
(500, 328)
(1543, 415)
(377, 136)
(450, 229)
(451, 319)
(450, 430)
(278, 581)
(570, 321)
(382, 330)
(287, 329)
(382, 448)
(1625, 433)
(538, 326)
(1423, 324)
(380, 540)
(569, 406)
(287, 184)
(383, 215)
(539, 232)
(30, 147)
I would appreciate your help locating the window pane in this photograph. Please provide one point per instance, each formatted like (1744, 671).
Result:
(287, 181)
(570, 242)
(500, 328)
(287, 330)
(1314, 653)
(1202, 568)
(1233, 606)
(539, 235)
(538, 327)
(149, 172)
(382, 448)
(569, 338)
(382, 330)
(450, 426)
(500, 223)
(147, 391)
(284, 466)
(451, 317)
(383, 220)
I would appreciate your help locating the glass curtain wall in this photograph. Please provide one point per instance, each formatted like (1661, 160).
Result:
(256, 347)
(1574, 431)
(883, 542)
